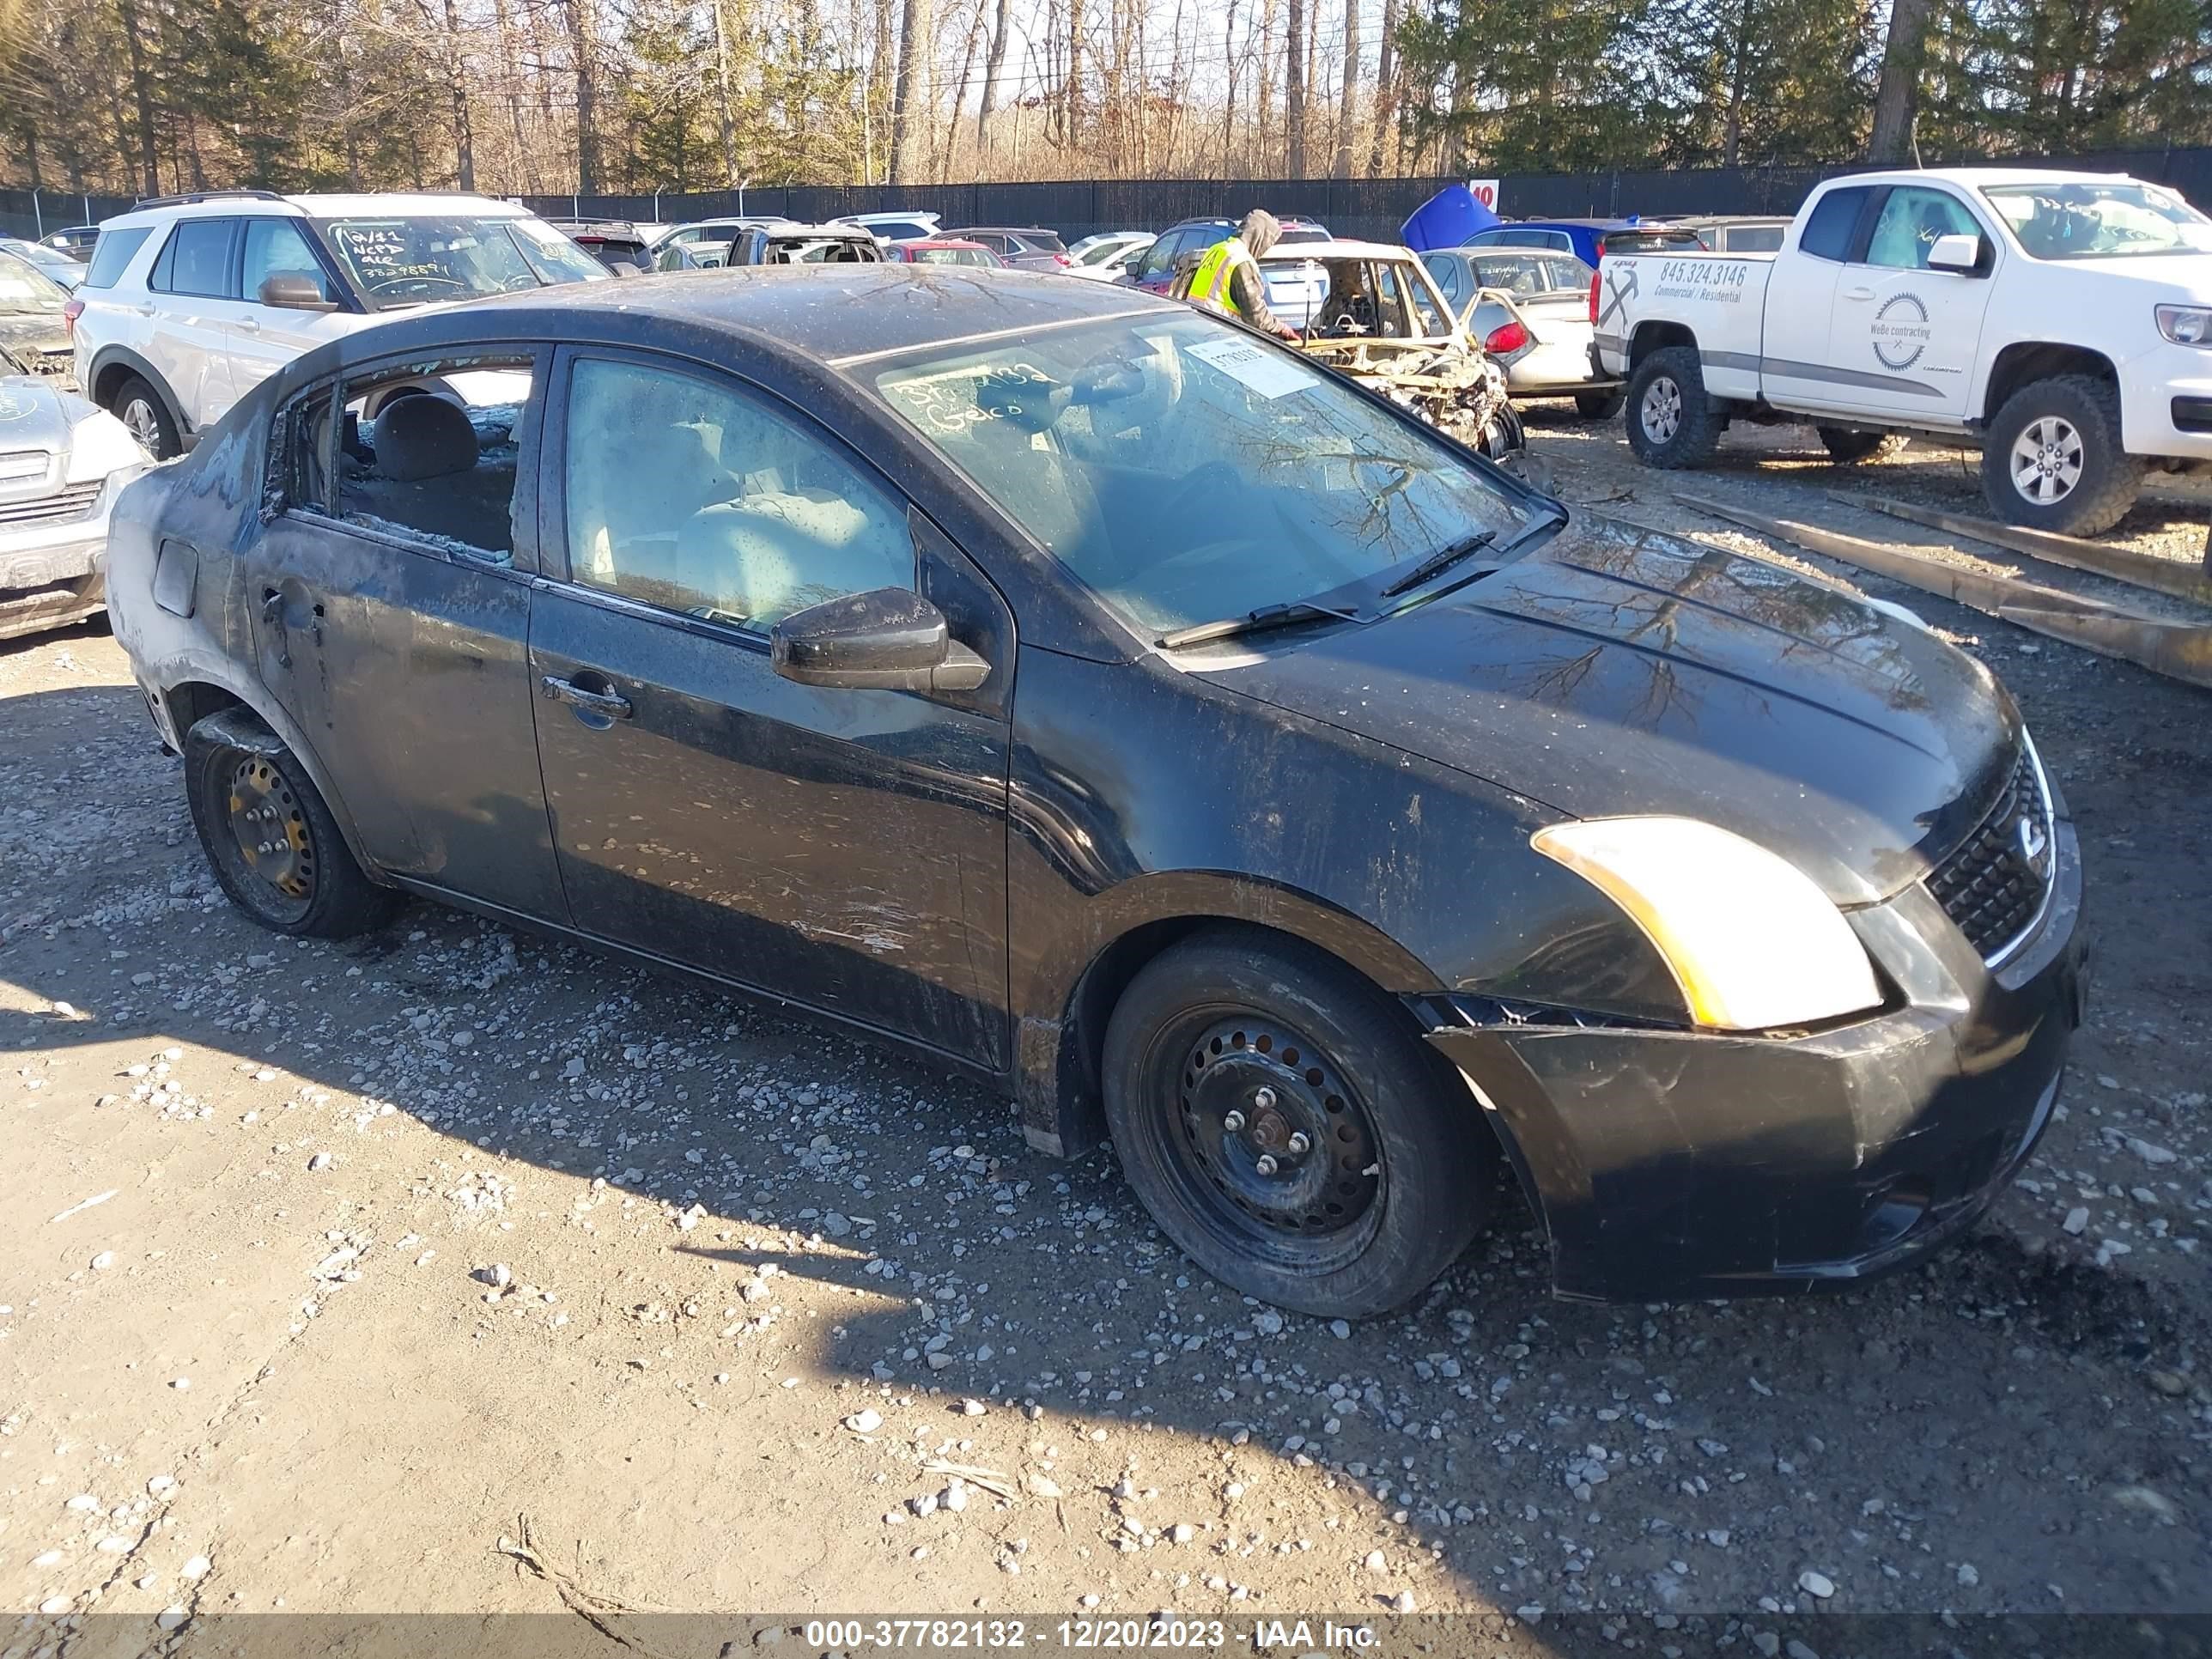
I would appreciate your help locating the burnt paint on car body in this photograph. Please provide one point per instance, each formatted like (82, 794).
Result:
(1015, 852)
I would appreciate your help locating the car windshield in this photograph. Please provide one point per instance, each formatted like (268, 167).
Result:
(2096, 220)
(1185, 472)
(1526, 274)
(408, 261)
(28, 292)
(951, 256)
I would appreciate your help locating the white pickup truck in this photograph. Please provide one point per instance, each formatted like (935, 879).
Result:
(2064, 320)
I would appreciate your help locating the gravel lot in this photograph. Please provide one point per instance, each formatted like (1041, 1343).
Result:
(322, 1268)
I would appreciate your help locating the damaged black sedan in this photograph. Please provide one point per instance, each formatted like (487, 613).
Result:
(1112, 705)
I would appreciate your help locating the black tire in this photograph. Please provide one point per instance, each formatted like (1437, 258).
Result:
(1849, 448)
(2063, 437)
(1392, 1179)
(312, 888)
(1671, 422)
(139, 407)
(1600, 405)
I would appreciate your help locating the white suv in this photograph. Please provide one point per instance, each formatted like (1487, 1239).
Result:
(190, 300)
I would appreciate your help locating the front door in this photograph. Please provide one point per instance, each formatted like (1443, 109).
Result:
(1904, 336)
(264, 337)
(390, 604)
(843, 848)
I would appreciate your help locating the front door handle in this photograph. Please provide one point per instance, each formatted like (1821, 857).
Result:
(272, 616)
(1859, 294)
(608, 705)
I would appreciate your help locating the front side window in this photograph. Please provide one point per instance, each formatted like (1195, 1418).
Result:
(277, 247)
(112, 255)
(409, 261)
(1909, 223)
(689, 495)
(1184, 472)
(196, 260)
(427, 452)
(2095, 220)
(1827, 234)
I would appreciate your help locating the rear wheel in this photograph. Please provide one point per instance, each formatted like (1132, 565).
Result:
(1850, 448)
(140, 408)
(1600, 405)
(2052, 459)
(1671, 422)
(1286, 1131)
(276, 849)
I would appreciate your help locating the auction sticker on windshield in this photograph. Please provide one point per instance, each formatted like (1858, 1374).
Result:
(1267, 373)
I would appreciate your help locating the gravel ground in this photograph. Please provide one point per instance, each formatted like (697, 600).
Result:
(325, 1267)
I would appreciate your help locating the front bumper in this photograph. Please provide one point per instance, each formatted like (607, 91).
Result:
(2165, 403)
(1668, 1164)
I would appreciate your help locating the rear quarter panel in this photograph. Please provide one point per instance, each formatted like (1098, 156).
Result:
(1720, 299)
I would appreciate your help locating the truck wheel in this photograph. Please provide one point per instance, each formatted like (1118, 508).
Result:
(276, 849)
(1286, 1129)
(2052, 459)
(1671, 422)
(139, 407)
(1600, 405)
(1848, 447)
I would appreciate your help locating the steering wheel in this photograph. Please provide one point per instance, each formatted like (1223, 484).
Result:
(391, 283)
(1210, 479)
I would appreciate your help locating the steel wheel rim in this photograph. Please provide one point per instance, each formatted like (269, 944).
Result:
(2047, 459)
(1316, 1210)
(270, 831)
(1662, 410)
(144, 424)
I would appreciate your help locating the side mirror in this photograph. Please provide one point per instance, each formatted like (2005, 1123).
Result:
(288, 291)
(890, 639)
(1959, 253)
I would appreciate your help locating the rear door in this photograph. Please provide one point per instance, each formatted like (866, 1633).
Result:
(843, 848)
(193, 281)
(389, 592)
(1794, 366)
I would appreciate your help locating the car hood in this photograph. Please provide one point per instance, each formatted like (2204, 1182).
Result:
(35, 414)
(1618, 671)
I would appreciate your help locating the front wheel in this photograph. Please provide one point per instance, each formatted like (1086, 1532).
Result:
(2052, 459)
(1287, 1131)
(275, 848)
(1672, 422)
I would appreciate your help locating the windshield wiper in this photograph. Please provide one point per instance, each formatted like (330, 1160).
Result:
(1439, 562)
(1252, 621)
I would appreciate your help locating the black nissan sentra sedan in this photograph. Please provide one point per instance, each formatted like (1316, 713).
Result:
(1100, 700)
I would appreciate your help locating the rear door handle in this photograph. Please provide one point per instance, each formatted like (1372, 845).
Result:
(1859, 294)
(608, 704)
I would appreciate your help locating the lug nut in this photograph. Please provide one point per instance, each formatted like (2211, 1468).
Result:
(1233, 1122)
(1263, 1099)
(1266, 1165)
(1300, 1143)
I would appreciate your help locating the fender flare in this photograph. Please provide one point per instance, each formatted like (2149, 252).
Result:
(114, 356)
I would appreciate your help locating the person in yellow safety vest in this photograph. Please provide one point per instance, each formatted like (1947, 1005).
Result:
(1228, 276)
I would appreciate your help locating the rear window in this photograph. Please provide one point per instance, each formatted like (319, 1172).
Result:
(1305, 234)
(1828, 232)
(1044, 241)
(113, 253)
(1755, 238)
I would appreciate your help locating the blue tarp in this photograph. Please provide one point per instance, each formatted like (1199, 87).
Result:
(1447, 219)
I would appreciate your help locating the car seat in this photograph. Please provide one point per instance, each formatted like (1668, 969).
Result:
(429, 477)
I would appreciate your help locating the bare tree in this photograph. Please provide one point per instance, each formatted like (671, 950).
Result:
(911, 97)
(1897, 101)
(994, 63)
(1294, 91)
(1348, 107)
(584, 44)
(142, 94)
(1386, 90)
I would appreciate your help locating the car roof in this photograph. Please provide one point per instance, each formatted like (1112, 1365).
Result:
(391, 204)
(831, 313)
(1006, 230)
(942, 242)
(1337, 247)
(1977, 178)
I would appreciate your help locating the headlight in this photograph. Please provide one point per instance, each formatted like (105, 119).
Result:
(1753, 943)
(2186, 325)
(100, 445)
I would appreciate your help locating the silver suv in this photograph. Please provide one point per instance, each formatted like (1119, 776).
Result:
(190, 300)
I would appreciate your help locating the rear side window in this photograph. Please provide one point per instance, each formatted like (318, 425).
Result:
(197, 261)
(115, 252)
(1827, 233)
(1754, 239)
(427, 452)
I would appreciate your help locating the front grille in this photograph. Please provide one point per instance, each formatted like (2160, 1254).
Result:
(1994, 886)
(76, 502)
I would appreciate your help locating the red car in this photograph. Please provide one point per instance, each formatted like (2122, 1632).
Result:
(943, 251)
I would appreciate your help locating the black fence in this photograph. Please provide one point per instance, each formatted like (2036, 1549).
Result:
(1349, 207)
